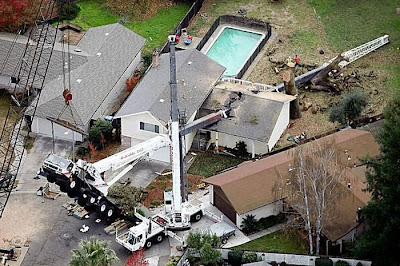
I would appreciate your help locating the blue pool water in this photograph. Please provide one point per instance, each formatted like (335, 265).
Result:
(232, 48)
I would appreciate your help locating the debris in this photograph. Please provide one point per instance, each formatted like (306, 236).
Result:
(75, 210)
(116, 226)
(306, 102)
(98, 220)
(48, 194)
(84, 228)
(321, 52)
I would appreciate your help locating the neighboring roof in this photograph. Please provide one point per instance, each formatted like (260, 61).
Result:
(56, 63)
(196, 75)
(255, 184)
(110, 49)
(253, 116)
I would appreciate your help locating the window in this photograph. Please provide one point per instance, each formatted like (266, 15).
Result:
(149, 127)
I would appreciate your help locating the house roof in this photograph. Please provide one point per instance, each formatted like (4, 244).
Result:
(110, 50)
(255, 184)
(56, 63)
(196, 74)
(253, 116)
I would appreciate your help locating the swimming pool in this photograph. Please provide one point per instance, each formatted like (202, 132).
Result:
(233, 47)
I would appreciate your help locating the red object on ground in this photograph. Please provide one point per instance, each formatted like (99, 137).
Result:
(177, 37)
(297, 59)
(190, 37)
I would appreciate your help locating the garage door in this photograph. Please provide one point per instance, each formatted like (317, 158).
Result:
(223, 205)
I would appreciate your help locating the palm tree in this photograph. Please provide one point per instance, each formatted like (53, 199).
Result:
(249, 224)
(93, 252)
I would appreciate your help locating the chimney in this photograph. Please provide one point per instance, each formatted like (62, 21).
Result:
(155, 61)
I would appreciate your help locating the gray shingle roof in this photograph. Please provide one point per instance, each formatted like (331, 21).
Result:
(251, 117)
(112, 49)
(55, 68)
(196, 74)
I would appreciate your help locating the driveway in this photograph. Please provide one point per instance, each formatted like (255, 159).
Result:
(33, 160)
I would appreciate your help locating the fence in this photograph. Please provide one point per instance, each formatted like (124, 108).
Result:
(185, 21)
(252, 85)
(242, 22)
(291, 259)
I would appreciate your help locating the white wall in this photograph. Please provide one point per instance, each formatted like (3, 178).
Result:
(273, 208)
(43, 127)
(118, 88)
(225, 140)
(280, 126)
(130, 127)
(211, 194)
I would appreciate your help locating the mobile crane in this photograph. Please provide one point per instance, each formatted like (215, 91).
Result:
(90, 181)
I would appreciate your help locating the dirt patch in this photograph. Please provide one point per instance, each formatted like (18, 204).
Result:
(111, 147)
(157, 187)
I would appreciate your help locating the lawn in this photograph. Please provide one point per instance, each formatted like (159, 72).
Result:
(156, 29)
(207, 164)
(276, 242)
(305, 27)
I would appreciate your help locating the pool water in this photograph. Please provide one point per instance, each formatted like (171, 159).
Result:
(232, 49)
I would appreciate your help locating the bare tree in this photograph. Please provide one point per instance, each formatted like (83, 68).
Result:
(315, 181)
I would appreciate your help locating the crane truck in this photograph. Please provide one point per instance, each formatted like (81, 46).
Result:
(90, 182)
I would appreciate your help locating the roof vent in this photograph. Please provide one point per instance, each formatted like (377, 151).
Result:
(98, 54)
(107, 34)
(190, 62)
(78, 80)
(77, 50)
(161, 100)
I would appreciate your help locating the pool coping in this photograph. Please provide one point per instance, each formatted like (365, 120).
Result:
(218, 31)
(241, 23)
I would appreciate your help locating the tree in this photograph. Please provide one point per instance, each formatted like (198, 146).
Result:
(66, 10)
(210, 256)
(95, 136)
(314, 186)
(249, 224)
(105, 128)
(16, 13)
(380, 242)
(137, 259)
(349, 107)
(93, 252)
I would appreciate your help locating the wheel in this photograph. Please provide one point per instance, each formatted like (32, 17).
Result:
(197, 217)
(148, 244)
(224, 241)
(51, 179)
(102, 207)
(63, 186)
(82, 199)
(159, 238)
(110, 212)
(71, 193)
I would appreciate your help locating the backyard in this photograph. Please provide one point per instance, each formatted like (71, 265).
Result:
(155, 29)
(280, 242)
(306, 27)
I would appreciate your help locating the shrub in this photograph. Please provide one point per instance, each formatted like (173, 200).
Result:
(323, 262)
(105, 128)
(235, 257)
(210, 256)
(249, 257)
(155, 203)
(349, 107)
(81, 151)
(173, 261)
(125, 197)
(342, 263)
(249, 224)
(140, 211)
(66, 10)
(95, 136)
(241, 149)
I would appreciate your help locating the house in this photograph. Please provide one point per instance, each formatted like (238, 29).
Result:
(256, 187)
(257, 119)
(100, 63)
(146, 112)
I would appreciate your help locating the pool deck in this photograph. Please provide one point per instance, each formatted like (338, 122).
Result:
(193, 45)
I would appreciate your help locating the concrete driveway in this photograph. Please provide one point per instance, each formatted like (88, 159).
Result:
(33, 160)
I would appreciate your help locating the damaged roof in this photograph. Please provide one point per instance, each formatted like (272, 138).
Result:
(252, 116)
(196, 75)
(254, 184)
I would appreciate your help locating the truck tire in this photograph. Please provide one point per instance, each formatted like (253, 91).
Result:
(110, 213)
(51, 179)
(73, 187)
(102, 207)
(159, 238)
(148, 244)
(196, 217)
(63, 186)
(81, 200)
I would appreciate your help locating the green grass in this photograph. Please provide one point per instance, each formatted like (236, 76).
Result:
(94, 13)
(351, 23)
(207, 164)
(276, 242)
